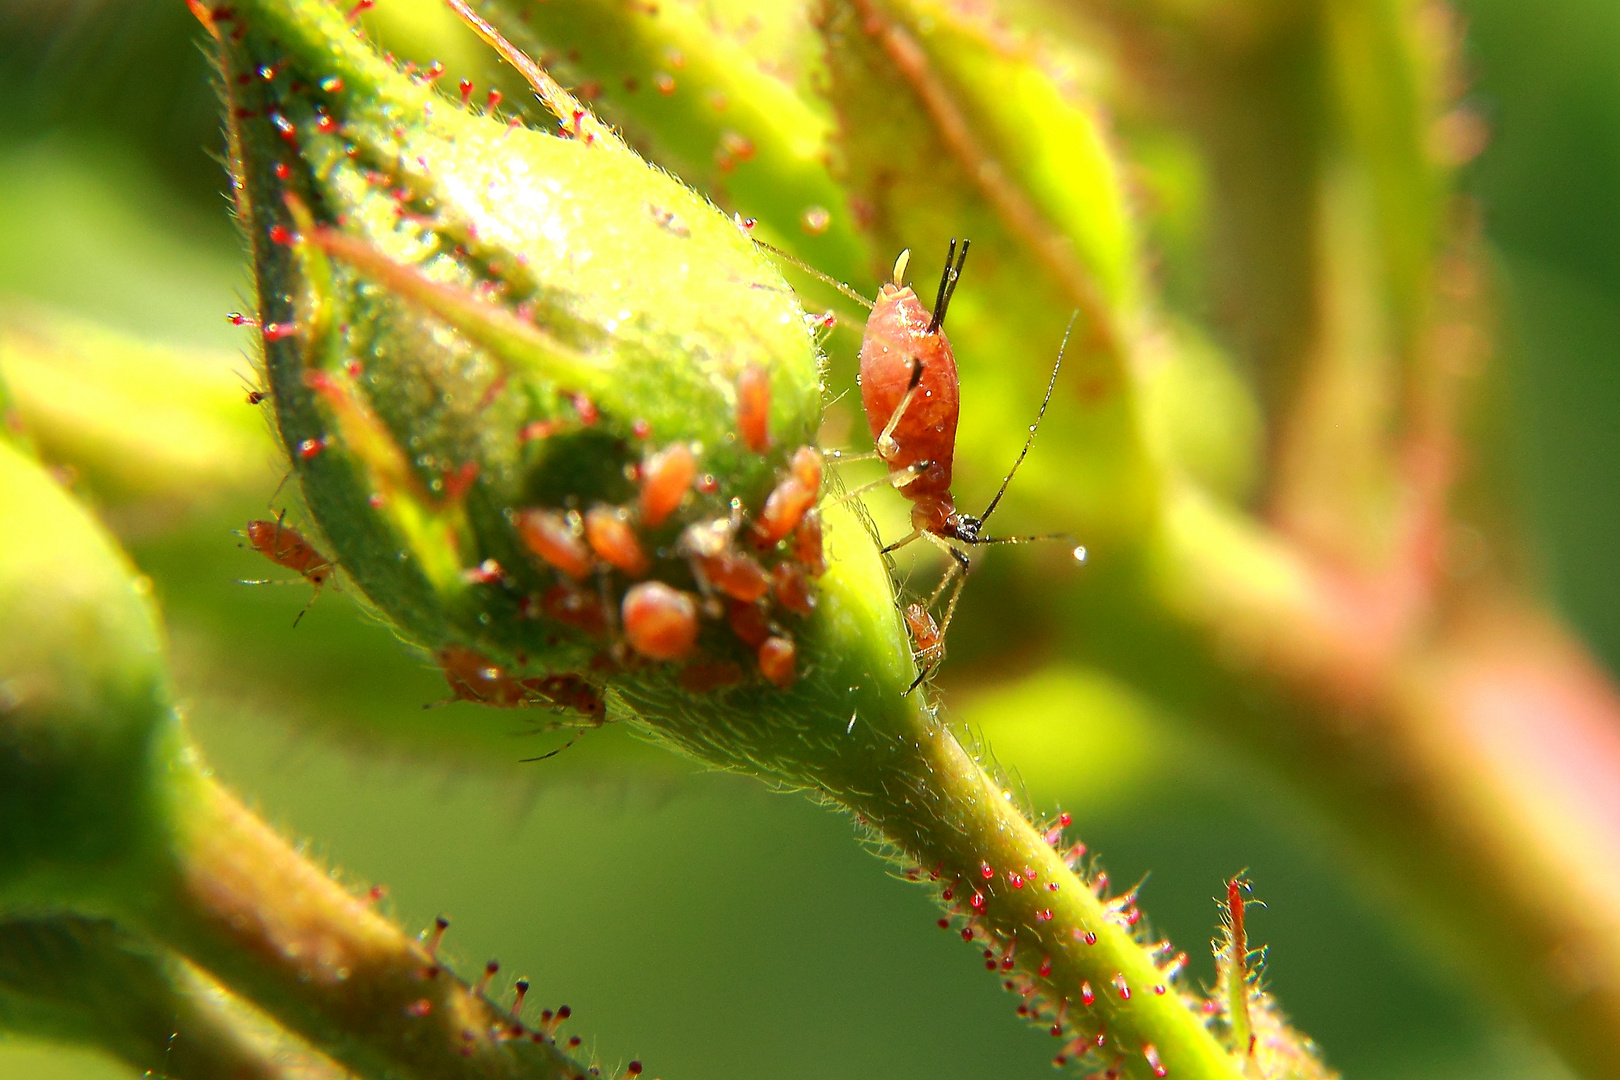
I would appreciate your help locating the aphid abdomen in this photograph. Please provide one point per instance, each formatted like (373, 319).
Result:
(897, 338)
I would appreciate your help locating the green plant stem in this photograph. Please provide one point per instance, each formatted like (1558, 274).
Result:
(847, 734)
(87, 981)
(245, 906)
(1471, 757)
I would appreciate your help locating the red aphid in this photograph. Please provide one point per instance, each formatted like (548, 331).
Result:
(660, 622)
(754, 408)
(576, 608)
(665, 479)
(807, 544)
(735, 574)
(911, 395)
(472, 677)
(287, 547)
(792, 588)
(611, 536)
(792, 498)
(749, 623)
(778, 659)
(571, 692)
(553, 537)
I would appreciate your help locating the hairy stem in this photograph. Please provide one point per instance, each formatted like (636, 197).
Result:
(88, 981)
(247, 907)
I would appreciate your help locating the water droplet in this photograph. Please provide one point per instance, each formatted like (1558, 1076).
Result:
(1080, 555)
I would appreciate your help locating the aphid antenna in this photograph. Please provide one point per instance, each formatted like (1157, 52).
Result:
(813, 272)
(947, 284)
(1033, 429)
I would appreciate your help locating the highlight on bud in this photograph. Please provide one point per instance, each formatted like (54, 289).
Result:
(550, 410)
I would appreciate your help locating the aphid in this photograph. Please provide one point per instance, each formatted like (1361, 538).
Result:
(749, 623)
(660, 622)
(927, 639)
(807, 544)
(911, 396)
(553, 537)
(571, 692)
(792, 588)
(567, 692)
(285, 546)
(665, 479)
(575, 607)
(778, 661)
(472, 677)
(792, 498)
(608, 531)
(718, 564)
(754, 408)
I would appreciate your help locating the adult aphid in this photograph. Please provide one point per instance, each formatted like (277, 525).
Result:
(286, 547)
(912, 398)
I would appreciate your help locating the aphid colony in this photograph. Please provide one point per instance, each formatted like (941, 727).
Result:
(637, 576)
(753, 574)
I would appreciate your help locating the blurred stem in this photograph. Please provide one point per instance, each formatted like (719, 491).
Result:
(141, 422)
(247, 907)
(88, 982)
(1475, 758)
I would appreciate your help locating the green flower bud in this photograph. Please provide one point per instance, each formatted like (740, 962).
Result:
(521, 374)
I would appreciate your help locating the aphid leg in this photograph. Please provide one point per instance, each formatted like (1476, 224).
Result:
(553, 753)
(841, 457)
(313, 596)
(886, 446)
(280, 484)
(899, 478)
(902, 542)
(955, 577)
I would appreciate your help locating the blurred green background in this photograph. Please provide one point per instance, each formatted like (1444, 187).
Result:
(711, 928)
